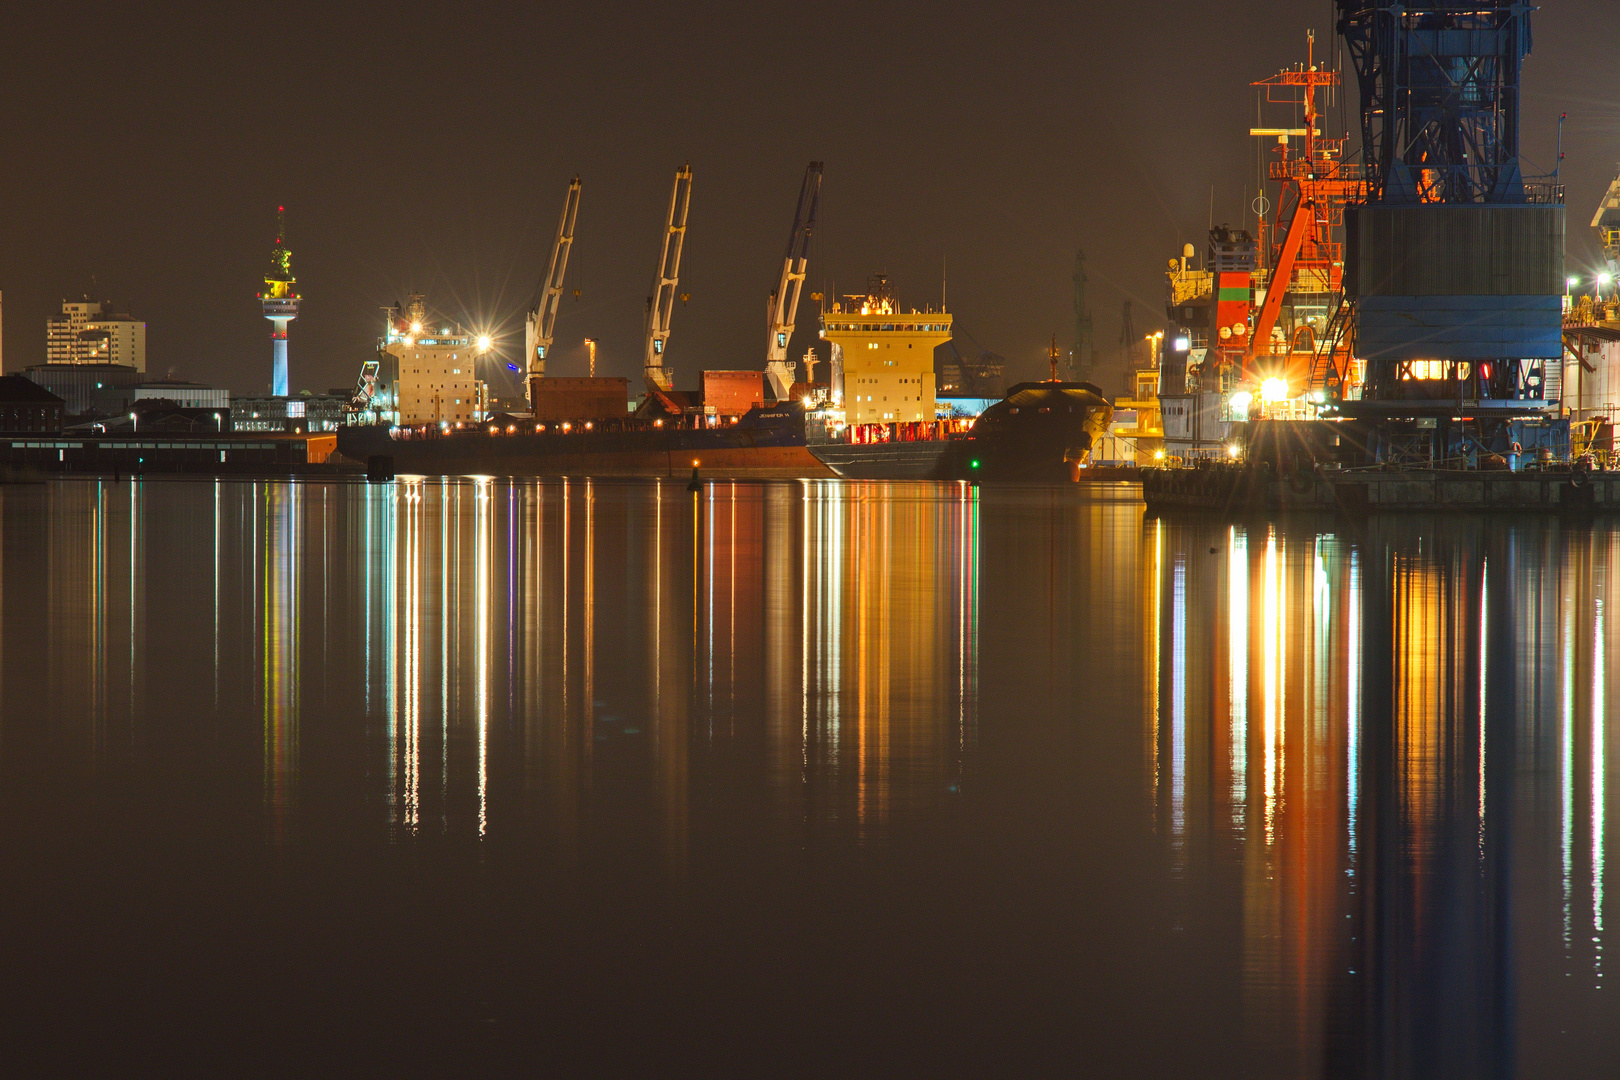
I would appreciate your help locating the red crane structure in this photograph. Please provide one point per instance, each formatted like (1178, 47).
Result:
(1304, 263)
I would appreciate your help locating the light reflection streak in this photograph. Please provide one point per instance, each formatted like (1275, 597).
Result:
(1599, 645)
(481, 570)
(282, 626)
(217, 540)
(1178, 707)
(1237, 632)
(1153, 666)
(1484, 666)
(1567, 761)
(1352, 711)
(1272, 631)
(412, 649)
(588, 602)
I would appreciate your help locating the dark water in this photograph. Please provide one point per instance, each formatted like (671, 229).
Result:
(797, 778)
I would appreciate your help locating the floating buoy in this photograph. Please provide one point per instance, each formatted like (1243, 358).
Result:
(696, 484)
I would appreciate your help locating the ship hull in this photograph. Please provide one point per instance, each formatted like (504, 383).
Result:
(768, 446)
(885, 461)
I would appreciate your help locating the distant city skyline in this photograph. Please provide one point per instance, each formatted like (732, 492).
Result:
(995, 144)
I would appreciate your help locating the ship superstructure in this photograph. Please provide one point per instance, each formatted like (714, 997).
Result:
(884, 355)
(1258, 329)
(433, 366)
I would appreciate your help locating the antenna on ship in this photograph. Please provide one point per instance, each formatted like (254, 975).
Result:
(1052, 356)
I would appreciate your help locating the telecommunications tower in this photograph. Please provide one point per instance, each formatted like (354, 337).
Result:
(280, 304)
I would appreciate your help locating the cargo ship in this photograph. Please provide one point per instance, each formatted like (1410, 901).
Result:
(876, 418)
(764, 443)
(1040, 431)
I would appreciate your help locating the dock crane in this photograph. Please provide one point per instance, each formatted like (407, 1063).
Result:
(784, 301)
(541, 322)
(661, 304)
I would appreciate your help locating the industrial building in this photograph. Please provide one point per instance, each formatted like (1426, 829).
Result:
(307, 413)
(883, 358)
(26, 408)
(433, 368)
(88, 332)
(112, 389)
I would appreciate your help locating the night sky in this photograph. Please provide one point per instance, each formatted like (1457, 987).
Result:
(427, 149)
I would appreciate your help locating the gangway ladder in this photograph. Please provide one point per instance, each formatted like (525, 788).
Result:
(365, 388)
(1330, 367)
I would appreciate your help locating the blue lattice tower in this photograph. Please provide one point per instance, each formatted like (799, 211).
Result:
(1455, 261)
(1440, 97)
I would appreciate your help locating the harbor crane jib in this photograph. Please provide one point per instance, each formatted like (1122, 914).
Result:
(661, 303)
(784, 302)
(541, 323)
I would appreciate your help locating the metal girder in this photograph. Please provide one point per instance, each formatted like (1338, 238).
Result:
(1440, 97)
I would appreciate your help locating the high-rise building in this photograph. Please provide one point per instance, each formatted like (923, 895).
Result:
(88, 332)
(280, 304)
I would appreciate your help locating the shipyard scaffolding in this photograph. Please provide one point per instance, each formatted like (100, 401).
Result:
(1454, 268)
(1591, 367)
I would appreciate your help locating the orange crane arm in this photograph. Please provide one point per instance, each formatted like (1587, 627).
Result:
(1304, 215)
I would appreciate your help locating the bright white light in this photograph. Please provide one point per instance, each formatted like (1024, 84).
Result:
(1273, 390)
(1231, 450)
(416, 328)
(1573, 282)
(483, 341)
(1603, 279)
(1241, 400)
(1158, 455)
(1183, 344)
(1318, 397)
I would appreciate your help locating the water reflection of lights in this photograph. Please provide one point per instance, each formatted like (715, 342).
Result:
(1237, 644)
(283, 587)
(1272, 634)
(482, 541)
(858, 606)
(1178, 708)
(1401, 698)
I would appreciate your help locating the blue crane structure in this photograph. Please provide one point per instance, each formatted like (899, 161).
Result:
(1455, 260)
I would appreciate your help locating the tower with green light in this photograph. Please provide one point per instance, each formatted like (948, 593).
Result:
(280, 304)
